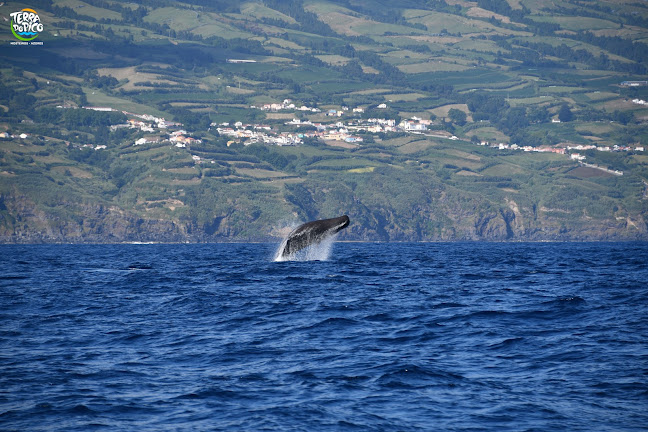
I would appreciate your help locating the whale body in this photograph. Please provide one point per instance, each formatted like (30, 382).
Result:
(312, 233)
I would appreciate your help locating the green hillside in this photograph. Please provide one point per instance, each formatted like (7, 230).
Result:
(437, 120)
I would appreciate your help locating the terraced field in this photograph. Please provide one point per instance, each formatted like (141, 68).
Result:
(514, 68)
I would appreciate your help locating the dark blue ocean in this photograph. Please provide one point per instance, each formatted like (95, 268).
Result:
(379, 337)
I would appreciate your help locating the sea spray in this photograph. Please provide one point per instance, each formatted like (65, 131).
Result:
(316, 252)
(311, 241)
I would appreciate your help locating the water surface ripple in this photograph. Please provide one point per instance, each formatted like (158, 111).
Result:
(440, 336)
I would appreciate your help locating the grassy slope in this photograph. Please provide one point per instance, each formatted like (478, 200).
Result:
(398, 189)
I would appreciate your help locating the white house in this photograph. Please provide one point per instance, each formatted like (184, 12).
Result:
(103, 109)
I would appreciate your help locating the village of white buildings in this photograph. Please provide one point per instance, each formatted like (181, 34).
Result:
(345, 126)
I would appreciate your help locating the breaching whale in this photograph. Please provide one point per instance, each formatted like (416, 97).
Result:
(312, 233)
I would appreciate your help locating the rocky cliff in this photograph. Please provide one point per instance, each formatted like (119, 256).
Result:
(24, 221)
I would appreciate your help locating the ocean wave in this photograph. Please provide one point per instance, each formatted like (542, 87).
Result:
(379, 337)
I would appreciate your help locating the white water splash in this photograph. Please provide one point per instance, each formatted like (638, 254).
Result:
(317, 252)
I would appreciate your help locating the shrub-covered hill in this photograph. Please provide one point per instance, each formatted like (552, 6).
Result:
(486, 71)
(399, 189)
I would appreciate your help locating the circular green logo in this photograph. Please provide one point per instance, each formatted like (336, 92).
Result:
(26, 24)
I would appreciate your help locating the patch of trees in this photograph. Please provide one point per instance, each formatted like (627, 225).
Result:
(616, 160)
(353, 69)
(298, 195)
(276, 159)
(94, 123)
(623, 117)
(227, 6)
(100, 159)
(388, 72)
(189, 119)
(218, 171)
(445, 91)
(603, 11)
(424, 49)
(244, 46)
(168, 85)
(47, 59)
(121, 173)
(442, 6)
(345, 50)
(514, 121)
(19, 103)
(166, 71)
(501, 7)
(100, 81)
(161, 29)
(457, 116)
(136, 16)
(538, 114)
(565, 114)
(389, 13)
(68, 12)
(75, 118)
(533, 54)
(307, 20)
(128, 14)
(185, 56)
(486, 107)
(636, 51)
